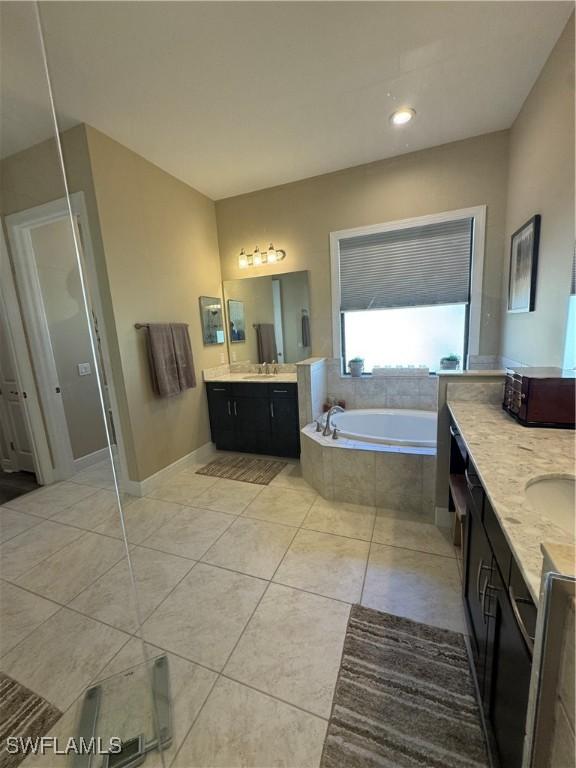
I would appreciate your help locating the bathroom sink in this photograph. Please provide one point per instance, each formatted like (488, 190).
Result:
(553, 496)
(260, 376)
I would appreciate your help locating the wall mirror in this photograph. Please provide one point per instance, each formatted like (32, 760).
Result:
(270, 316)
(212, 320)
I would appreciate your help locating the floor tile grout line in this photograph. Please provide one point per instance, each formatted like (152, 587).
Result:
(60, 551)
(272, 696)
(219, 674)
(45, 489)
(38, 522)
(46, 557)
(367, 565)
(419, 551)
(185, 575)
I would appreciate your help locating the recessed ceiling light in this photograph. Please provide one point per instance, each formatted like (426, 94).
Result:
(402, 116)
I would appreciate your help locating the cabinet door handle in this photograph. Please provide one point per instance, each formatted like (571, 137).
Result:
(454, 432)
(481, 567)
(271, 409)
(526, 636)
(487, 586)
(218, 389)
(470, 483)
(229, 409)
(280, 391)
(235, 409)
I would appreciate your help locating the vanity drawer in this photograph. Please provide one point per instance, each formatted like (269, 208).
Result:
(282, 390)
(498, 541)
(217, 387)
(249, 389)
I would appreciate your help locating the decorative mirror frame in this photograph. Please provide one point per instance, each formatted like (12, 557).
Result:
(236, 336)
(210, 334)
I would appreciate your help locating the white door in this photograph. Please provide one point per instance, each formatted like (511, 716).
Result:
(20, 414)
(17, 440)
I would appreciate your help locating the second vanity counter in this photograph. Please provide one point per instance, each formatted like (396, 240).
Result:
(507, 457)
(254, 378)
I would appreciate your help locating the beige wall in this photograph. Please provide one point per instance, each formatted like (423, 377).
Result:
(161, 254)
(541, 180)
(61, 290)
(299, 217)
(257, 297)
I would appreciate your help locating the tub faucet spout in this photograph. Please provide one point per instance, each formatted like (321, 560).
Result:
(334, 409)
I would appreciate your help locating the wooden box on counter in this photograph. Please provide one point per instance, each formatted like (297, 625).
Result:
(541, 397)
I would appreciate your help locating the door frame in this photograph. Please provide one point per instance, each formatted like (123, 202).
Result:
(19, 226)
(43, 464)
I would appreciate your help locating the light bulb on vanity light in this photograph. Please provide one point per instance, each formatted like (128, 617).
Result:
(272, 255)
(242, 260)
(256, 257)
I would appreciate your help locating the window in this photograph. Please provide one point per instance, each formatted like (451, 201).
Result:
(406, 293)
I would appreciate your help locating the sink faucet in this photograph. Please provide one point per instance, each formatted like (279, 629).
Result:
(334, 409)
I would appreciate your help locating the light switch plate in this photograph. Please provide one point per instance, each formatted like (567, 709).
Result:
(84, 369)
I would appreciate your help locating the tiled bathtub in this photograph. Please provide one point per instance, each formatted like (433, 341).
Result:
(392, 477)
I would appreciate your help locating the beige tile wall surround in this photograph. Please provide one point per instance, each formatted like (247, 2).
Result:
(312, 388)
(401, 480)
(387, 389)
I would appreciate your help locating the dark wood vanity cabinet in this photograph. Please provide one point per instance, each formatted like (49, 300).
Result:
(254, 417)
(501, 618)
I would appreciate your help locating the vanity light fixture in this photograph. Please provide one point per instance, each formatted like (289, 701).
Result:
(257, 258)
(402, 116)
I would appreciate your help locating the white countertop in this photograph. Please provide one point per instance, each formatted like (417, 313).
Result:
(507, 456)
(253, 378)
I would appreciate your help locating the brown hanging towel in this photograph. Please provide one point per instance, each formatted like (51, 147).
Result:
(266, 340)
(184, 359)
(305, 329)
(162, 360)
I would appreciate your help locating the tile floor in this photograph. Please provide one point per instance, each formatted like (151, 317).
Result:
(247, 588)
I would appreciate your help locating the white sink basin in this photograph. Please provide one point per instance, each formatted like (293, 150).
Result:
(554, 497)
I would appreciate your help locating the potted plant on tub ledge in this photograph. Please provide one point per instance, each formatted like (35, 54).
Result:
(356, 366)
(450, 363)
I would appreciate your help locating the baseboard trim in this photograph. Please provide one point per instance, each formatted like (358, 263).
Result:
(140, 488)
(90, 459)
(443, 517)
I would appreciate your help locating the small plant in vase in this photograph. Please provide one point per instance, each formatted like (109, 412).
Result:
(356, 366)
(450, 362)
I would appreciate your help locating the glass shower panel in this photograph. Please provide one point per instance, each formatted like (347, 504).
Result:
(70, 618)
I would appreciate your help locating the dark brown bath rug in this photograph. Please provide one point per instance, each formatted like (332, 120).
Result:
(258, 471)
(22, 714)
(404, 698)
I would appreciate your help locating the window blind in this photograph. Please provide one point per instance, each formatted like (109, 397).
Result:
(413, 267)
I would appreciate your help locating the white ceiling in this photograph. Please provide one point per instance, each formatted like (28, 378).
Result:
(234, 97)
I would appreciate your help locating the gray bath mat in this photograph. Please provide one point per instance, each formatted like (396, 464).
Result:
(404, 698)
(258, 471)
(22, 714)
